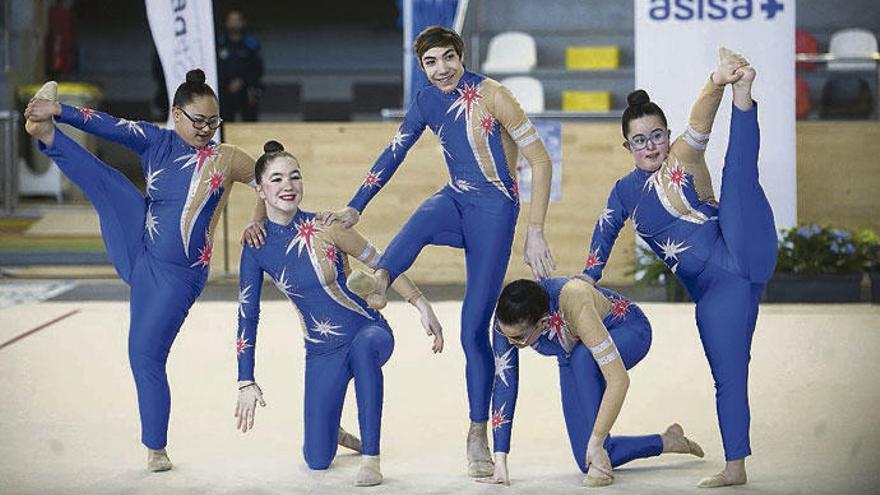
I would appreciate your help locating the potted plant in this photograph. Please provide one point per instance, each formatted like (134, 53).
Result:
(869, 245)
(816, 264)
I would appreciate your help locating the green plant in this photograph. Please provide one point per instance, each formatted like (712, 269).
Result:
(812, 249)
(869, 247)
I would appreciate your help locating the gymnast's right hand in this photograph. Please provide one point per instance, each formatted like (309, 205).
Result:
(39, 110)
(249, 394)
(254, 234)
(347, 216)
(500, 476)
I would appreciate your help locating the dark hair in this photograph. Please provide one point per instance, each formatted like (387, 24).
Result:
(193, 87)
(639, 104)
(522, 301)
(271, 151)
(434, 36)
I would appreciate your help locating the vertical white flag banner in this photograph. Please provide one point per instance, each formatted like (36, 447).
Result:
(183, 31)
(676, 48)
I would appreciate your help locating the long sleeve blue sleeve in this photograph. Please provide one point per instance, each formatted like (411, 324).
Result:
(136, 136)
(250, 286)
(605, 232)
(505, 389)
(391, 158)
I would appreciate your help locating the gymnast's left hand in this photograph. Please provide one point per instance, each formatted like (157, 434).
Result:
(347, 217)
(249, 394)
(537, 253)
(254, 234)
(430, 323)
(599, 470)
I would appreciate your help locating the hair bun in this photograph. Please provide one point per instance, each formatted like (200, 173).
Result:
(195, 76)
(637, 98)
(272, 147)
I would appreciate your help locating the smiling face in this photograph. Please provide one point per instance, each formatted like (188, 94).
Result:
(281, 188)
(645, 131)
(443, 67)
(201, 109)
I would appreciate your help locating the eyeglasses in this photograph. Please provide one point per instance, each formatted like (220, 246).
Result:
(640, 141)
(522, 341)
(201, 123)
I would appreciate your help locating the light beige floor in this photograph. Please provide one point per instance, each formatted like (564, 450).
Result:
(68, 421)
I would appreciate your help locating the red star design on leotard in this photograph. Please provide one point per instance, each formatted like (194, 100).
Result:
(468, 96)
(487, 125)
(619, 308)
(241, 344)
(330, 253)
(555, 326)
(305, 230)
(515, 191)
(215, 181)
(593, 260)
(88, 113)
(372, 180)
(498, 419)
(677, 176)
(204, 258)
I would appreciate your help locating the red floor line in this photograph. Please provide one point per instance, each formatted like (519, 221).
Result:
(37, 329)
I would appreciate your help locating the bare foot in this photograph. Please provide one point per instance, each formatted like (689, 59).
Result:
(480, 463)
(675, 441)
(378, 300)
(734, 473)
(158, 461)
(349, 441)
(369, 473)
(39, 124)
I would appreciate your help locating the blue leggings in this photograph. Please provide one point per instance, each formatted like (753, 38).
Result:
(583, 386)
(727, 302)
(161, 292)
(327, 377)
(483, 224)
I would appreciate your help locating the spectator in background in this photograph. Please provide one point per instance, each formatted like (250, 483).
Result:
(239, 68)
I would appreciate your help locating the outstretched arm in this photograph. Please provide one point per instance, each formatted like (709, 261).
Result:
(384, 167)
(137, 136)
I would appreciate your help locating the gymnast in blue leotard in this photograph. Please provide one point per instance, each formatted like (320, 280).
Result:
(160, 242)
(344, 338)
(723, 252)
(481, 128)
(596, 335)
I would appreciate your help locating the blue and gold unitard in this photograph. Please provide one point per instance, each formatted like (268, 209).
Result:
(581, 381)
(160, 245)
(480, 127)
(344, 338)
(722, 252)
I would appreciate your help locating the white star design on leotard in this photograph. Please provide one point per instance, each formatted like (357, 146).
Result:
(152, 176)
(151, 223)
(605, 217)
(502, 364)
(324, 328)
(243, 295)
(133, 127)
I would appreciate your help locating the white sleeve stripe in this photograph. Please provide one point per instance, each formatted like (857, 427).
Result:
(696, 135)
(368, 253)
(523, 142)
(601, 346)
(521, 130)
(693, 143)
(611, 356)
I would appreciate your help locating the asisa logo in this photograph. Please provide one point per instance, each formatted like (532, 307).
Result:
(713, 10)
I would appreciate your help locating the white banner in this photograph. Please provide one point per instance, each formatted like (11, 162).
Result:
(183, 31)
(676, 48)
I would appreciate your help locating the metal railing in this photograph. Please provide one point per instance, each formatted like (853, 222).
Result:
(9, 160)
